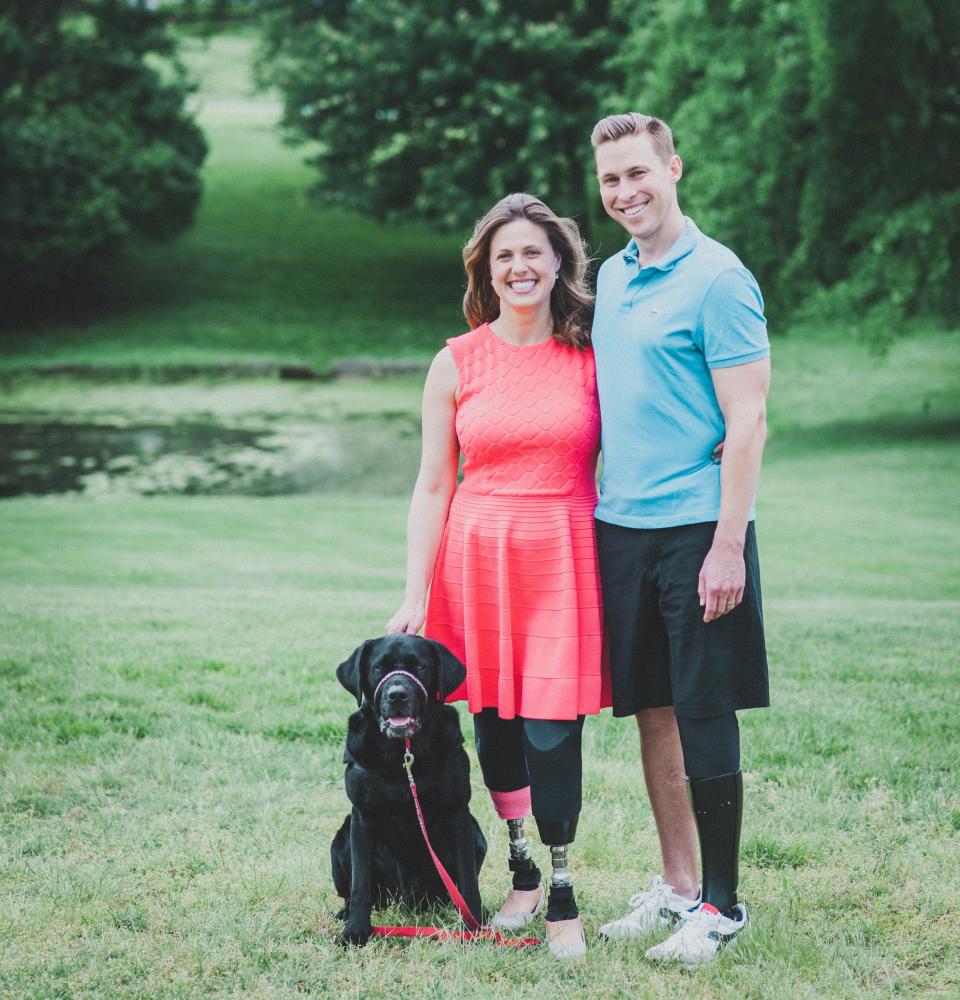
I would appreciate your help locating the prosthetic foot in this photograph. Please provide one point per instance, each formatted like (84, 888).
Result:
(525, 900)
(565, 936)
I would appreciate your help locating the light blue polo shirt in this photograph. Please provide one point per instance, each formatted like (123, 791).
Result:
(657, 333)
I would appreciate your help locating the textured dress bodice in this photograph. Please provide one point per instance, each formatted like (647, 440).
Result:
(528, 422)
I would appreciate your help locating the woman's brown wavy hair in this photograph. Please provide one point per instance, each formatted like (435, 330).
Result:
(571, 303)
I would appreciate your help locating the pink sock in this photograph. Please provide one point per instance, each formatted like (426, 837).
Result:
(511, 805)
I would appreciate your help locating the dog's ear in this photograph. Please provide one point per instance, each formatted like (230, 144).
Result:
(451, 673)
(350, 672)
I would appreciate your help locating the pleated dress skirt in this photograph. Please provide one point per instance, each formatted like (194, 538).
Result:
(516, 596)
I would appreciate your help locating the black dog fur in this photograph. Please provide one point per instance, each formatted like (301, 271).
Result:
(378, 853)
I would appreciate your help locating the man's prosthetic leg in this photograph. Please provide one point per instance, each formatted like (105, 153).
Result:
(718, 811)
(711, 752)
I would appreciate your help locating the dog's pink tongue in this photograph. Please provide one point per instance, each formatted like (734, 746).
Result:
(399, 721)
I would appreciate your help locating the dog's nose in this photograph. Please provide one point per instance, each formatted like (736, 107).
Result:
(396, 693)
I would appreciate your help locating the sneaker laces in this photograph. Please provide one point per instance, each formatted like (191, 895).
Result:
(702, 919)
(658, 889)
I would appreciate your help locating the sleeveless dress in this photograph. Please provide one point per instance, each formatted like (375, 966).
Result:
(516, 587)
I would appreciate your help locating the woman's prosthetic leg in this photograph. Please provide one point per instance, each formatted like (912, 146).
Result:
(555, 766)
(499, 744)
(526, 874)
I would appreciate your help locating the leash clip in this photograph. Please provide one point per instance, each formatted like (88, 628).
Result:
(408, 763)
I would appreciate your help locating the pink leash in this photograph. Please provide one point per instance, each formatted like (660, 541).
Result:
(475, 932)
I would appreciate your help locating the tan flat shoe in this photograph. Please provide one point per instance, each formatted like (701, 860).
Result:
(565, 939)
(515, 920)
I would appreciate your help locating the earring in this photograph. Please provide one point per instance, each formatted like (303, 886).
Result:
(556, 275)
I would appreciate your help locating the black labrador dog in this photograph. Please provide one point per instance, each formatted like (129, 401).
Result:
(400, 683)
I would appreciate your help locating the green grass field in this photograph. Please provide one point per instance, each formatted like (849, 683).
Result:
(171, 728)
(172, 733)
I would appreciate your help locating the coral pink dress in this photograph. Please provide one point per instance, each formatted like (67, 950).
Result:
(516, 586)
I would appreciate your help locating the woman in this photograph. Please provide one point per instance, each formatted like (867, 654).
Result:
(509, 557)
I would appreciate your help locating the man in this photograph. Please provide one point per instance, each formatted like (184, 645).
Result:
(682, 363)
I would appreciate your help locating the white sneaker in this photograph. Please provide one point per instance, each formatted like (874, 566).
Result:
(700, 937)
(657, 908)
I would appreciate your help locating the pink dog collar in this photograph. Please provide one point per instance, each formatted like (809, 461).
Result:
(393, 673)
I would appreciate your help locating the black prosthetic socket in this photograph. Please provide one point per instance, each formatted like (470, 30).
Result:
(552, 750)
(557, 831)
(718, 810)
(561, 903)
(526, 874)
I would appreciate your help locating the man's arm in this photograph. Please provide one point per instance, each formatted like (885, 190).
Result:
(742, 394)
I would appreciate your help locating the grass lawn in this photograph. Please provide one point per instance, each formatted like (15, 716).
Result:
(172, 734)
(171, 727)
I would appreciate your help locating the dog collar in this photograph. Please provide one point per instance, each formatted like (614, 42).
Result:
(394, 673)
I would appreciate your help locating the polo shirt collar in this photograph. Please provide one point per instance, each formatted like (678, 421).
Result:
(683, 245)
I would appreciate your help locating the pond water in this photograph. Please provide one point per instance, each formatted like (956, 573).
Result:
(45, 454)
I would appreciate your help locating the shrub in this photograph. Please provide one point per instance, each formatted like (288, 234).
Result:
(95, 143)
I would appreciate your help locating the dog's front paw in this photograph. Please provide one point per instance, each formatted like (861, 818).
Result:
(354, 935)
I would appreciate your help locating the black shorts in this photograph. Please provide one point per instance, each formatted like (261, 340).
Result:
(661, 650)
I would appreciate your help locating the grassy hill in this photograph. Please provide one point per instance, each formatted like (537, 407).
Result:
(265, 273)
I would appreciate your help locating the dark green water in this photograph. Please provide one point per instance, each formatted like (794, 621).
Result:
(367, 455)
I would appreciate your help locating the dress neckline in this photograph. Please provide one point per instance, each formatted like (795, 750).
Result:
(516, 347)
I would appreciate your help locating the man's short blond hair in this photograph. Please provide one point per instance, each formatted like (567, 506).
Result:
(615, 127)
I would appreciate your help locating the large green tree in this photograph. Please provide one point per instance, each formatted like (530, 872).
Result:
(435, 109)
(821, 139)
(94, 141)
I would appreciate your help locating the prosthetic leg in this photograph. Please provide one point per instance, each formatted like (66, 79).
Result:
(553, 758)
(499, 745)
(718, 809)
(526, 874)
(526, 891)
(711, 748)
(539, 761)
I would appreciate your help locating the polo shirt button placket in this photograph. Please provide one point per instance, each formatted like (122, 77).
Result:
(635, 287)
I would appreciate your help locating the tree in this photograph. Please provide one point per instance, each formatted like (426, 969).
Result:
(821, 139)
(436, 109)
(94, 143)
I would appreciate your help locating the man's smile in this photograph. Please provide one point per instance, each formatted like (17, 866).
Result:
(635, 210)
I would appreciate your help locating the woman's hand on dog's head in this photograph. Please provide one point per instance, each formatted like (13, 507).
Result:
(408, 618)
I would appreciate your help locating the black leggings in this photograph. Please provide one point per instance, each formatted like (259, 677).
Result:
(542, 753)
(711, 747)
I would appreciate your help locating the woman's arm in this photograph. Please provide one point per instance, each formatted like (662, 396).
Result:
(439, 457)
